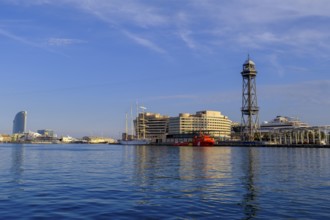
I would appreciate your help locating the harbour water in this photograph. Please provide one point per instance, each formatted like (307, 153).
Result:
(163, 182)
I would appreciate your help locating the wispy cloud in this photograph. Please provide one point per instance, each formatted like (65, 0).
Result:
(173, 97)
(303, 93)
(254, 24)
(145, 42)
(17, 38)
(30, 43)
(140, 13)
(186, 37)
(63, 41)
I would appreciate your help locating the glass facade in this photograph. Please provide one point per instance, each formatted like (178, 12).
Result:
(19, 124)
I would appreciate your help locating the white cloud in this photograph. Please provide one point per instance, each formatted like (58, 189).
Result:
(63, 41)
(253, 24)
(144, 42)
(117, 11)
(303, 93)
(14, 37)
(186, 37)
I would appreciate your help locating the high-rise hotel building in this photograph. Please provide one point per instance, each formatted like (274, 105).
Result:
(19, 123)
(211, 122)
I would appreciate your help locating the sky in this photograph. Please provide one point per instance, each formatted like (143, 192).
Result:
(78, 66)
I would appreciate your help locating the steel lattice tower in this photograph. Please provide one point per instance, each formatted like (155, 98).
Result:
(250, 109)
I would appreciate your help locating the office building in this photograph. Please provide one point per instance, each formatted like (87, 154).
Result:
(152, 126)
(46, 133)
(210, 122)
(19, 123)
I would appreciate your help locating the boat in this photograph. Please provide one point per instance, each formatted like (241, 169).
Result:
(200, 140)
(203, 140)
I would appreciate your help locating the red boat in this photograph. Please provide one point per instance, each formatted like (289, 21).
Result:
(199, 140)
(203, 140)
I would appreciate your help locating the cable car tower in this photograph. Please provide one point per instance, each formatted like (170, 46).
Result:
(250, 109)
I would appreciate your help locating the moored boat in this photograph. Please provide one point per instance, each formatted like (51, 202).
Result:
(203, 140)
(200, 140)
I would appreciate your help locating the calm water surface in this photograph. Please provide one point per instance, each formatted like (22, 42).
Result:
(153, 182)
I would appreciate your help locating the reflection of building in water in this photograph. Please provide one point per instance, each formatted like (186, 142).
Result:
(206, 163)
(17, 162)
(153, 163)
(249, 166)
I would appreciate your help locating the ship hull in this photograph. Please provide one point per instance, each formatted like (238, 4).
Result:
(199, 141)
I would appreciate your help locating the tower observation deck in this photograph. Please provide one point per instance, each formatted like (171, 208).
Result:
(250, 109)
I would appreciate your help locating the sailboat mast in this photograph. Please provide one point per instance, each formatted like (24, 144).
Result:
(137, 121)
(144, 128)
(126, 129)
(131, 123)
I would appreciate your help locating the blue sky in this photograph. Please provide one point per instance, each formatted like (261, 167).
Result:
(76, 66)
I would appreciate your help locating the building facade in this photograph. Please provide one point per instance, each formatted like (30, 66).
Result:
(211, 122)
(282, 122)
(152, 126)
(19, 123)
(46, 133)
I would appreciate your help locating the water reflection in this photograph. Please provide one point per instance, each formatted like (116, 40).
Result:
(201, 177)
(185, 163)
(206, 162)
(154, 163)
(249, 166)
(17, 156)
(149, 182)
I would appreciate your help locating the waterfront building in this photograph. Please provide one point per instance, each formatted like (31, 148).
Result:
(282, 122)
(151, 126)
(319, 135)
(289, 130)
(210, 122)
(19, 123)
(6, 138)
(47, 133)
